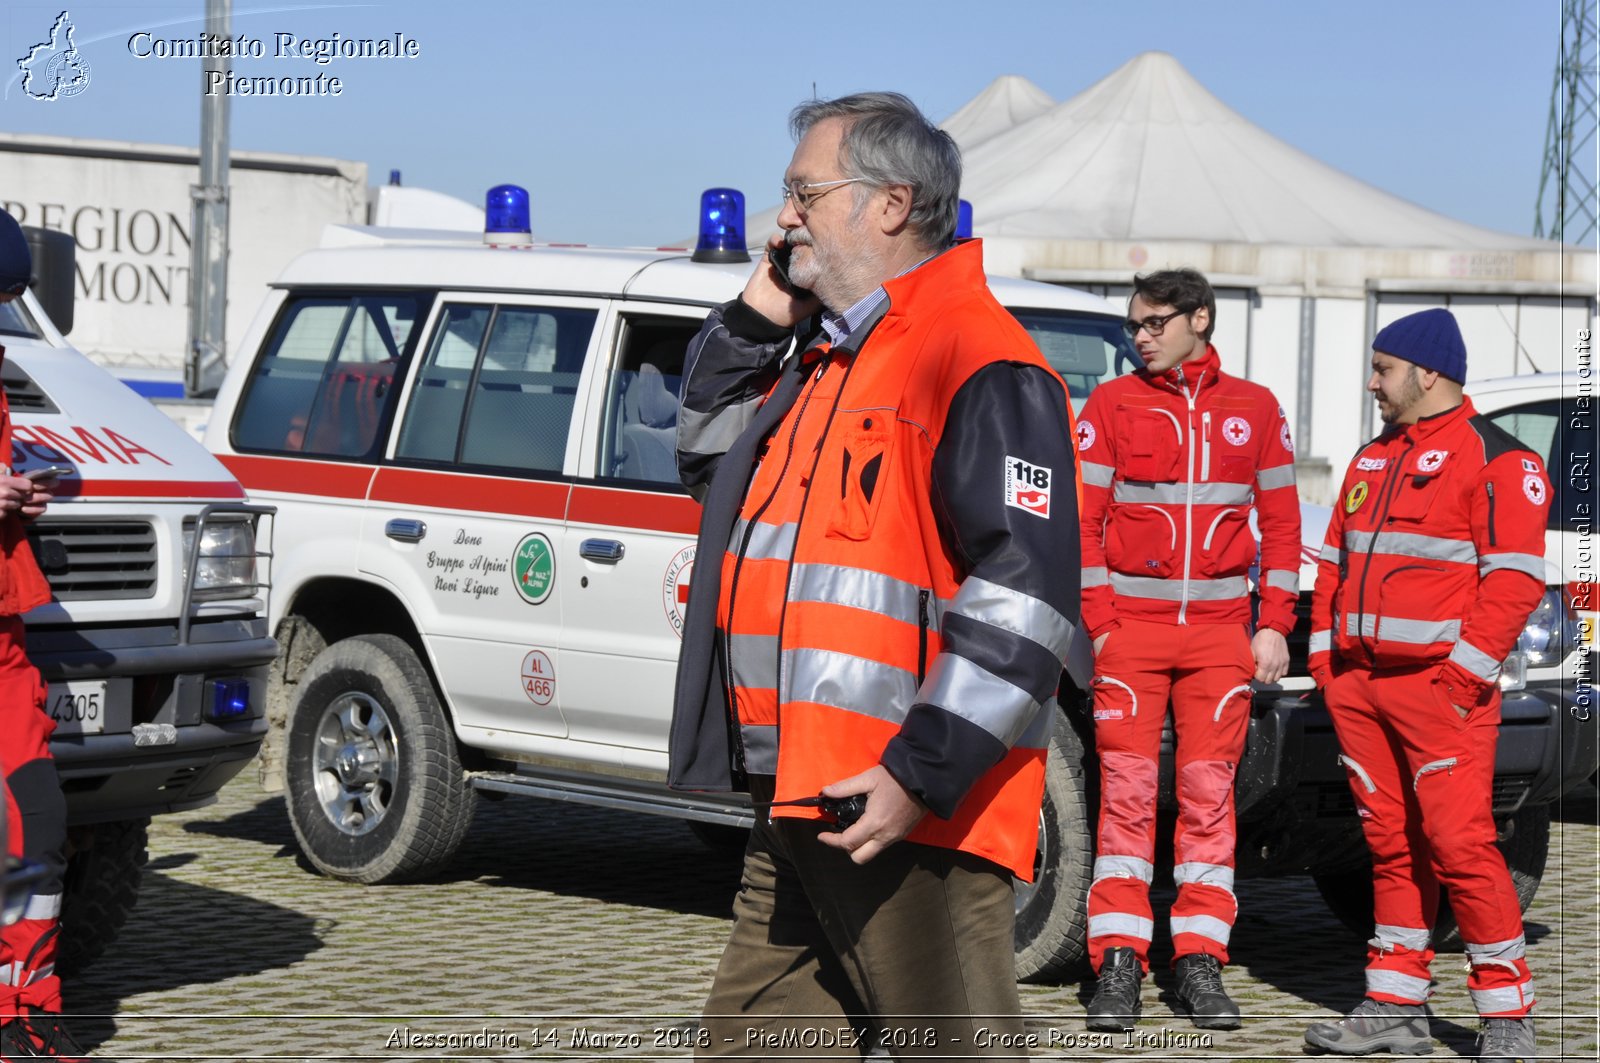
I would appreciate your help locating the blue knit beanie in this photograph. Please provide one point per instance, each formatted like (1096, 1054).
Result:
(1429, 338)
(16, 261)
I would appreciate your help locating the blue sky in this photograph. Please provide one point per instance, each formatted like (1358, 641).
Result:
(615, 115)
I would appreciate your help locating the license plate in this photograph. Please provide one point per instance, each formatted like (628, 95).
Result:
(87, 706)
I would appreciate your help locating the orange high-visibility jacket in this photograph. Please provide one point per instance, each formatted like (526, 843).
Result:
(898, 571)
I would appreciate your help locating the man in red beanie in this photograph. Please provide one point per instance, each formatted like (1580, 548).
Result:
(36, 811)
(1433, 561)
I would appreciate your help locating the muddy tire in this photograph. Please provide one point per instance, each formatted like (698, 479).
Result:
(1053, 910)
(100, 889)
(376, 791)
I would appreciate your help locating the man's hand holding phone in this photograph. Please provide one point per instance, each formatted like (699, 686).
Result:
(30, 493)
(769, 293)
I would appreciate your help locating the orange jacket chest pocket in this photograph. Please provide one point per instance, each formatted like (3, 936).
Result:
(1149, 444)
(863, 470)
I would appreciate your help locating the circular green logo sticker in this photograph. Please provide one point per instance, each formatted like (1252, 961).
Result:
(533, 568)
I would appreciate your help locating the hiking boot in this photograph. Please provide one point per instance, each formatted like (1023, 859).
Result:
(1507, 1041)
(1116, 998)
(1375, 1026)
(1200, 990)
(38, 1034)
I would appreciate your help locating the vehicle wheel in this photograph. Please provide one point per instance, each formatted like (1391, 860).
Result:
(99, 890)
(1053, 909)
(1525, 842)
(376, 790)
(720, 837)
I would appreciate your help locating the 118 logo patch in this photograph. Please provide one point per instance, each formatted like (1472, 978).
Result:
(1028, 486)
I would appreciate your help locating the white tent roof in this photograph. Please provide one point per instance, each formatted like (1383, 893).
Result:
(1008, 101)
(1148, 154)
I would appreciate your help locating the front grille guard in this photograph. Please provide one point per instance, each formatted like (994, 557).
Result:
(262, 587)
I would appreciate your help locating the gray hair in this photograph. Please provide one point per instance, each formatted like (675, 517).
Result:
(888, 141)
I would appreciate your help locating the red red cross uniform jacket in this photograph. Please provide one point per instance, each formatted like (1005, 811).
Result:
(1172, 466)
(1433, 560)
(35, 807)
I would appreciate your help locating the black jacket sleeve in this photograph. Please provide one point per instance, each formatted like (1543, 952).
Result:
(731, 365)
(1005, 497)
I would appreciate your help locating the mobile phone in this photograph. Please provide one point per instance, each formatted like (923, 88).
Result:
(49, 472)
(779, 258)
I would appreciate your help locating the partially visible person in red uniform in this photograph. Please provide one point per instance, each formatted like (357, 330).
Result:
(1174, 457)
(1433, 561)
(30, 992)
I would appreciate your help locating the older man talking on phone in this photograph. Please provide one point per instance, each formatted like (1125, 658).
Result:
(888, 579)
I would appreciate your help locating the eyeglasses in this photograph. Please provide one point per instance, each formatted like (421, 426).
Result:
(1155, 325)
(796, 192)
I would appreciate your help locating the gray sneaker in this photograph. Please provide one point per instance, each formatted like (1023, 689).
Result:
(1507, 1041)
(1374, 1026)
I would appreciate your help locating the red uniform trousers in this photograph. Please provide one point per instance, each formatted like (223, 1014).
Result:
(36, 828)
(1422, 778)
(1206, 670)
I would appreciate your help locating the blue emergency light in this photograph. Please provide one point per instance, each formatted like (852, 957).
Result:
(963, 220)
(506, 216)
(721, 227)
(230, 698)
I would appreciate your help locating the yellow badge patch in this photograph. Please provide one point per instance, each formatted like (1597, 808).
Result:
(1357, 495)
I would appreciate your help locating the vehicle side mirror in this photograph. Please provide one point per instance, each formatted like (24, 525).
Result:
(55, 257)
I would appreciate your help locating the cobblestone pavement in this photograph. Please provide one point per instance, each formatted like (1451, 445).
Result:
(565, 932)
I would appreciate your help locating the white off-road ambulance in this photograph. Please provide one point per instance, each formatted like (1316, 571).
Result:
(484, 552)
(154, 644)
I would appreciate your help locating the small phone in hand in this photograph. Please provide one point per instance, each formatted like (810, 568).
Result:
(779, 257)
(46, 474)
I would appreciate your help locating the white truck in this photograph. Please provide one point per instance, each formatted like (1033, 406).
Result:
(484, 554)
(154, 644)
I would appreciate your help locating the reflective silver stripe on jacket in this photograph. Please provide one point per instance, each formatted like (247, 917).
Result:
(1096, 576)
(1121, 924)
(1274, 478)
(715, 432)
(1319, 642)
(978, 696)
(860, 588)
(1207, 926)
(1013, 611)
(1510, 949)
(43, 906)
(760, 743)
(1498, 1001)
(1389, 938)
(1410, 544)
(768, 542)
(1530, 564)
(1476, 661)
(754, 661)
(1280, 580)
(1123, 867)
(1331, 553)
(1198, 874)
(854, 684)
(1398, 629)
(1395, 984)
(1171, 590)
(1097, 475)
(1216, 493)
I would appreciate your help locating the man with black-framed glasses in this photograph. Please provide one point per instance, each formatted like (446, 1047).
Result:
(1174, 457)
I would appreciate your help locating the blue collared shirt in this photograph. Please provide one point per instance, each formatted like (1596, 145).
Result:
(840, 326)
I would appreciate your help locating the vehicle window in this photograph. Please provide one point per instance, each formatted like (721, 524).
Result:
(16, 321)
(1084, 349)
(323, 383)
(498, 387)
(1549, 428)
(641, 425)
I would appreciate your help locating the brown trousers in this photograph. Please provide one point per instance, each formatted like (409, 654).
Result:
(912, 950)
